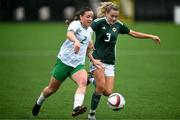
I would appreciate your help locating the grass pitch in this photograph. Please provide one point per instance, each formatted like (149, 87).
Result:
(148, 75)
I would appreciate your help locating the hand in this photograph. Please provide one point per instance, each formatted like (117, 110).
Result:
(77, 46)
(98, 64)
(156, 39)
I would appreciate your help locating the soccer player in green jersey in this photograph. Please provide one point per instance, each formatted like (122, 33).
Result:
(107, 27)
(70, 62)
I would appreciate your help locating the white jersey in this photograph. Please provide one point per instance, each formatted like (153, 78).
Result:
(67, 54)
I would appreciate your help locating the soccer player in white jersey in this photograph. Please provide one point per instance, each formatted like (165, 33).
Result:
(70, 62)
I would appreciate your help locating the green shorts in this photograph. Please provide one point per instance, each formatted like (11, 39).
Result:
(61, 71)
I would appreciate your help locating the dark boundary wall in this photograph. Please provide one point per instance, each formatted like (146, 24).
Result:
(145, 10)
(155, 10)
(31, 7)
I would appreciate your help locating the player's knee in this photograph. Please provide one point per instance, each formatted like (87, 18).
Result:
(82, 82)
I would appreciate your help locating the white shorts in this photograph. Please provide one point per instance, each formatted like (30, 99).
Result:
(109, 69)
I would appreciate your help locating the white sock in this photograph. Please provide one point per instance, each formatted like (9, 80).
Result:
(91, 80)
(78, 100)
(41, 99)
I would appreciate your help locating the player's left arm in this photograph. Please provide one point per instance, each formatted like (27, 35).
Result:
(95, 62)
(89, 50)
(135, 34)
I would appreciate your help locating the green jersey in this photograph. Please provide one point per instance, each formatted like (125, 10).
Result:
(106, 37)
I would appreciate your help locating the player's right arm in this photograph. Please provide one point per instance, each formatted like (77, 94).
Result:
(71, 36)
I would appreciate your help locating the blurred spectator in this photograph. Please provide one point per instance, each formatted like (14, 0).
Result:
(127, 7)
(69, 12)
(19, 13)
(44, 13)
(94, 5)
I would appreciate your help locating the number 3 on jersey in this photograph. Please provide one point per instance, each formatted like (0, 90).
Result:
(108, 37)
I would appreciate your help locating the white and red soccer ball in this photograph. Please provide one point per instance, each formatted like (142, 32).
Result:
(116, 101)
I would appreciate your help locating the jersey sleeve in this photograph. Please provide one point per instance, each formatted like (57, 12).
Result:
(91, 30)
(123, 29)
(94, 25)
(73, 26)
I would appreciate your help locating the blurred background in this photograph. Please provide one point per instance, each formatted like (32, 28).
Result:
(148, 75)
(58, 10)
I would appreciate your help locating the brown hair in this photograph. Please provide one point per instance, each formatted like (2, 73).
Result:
(81, 12)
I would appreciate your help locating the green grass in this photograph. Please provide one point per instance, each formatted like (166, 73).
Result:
(148, 75)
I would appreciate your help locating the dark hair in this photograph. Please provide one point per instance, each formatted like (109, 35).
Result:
(79, 13)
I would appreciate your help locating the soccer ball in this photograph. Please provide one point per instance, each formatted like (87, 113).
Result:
(116, 101)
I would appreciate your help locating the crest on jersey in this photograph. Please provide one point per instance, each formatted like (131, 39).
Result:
(114, 29)
(104, 28)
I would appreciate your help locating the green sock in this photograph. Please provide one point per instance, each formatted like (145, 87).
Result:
(95, 101)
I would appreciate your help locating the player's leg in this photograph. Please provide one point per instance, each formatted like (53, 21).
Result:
(109, 85)
(59, 73)
(47, 91)
(90, 75)
(104, 84)
(91, 79)
(100, 87)
(79, 75)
